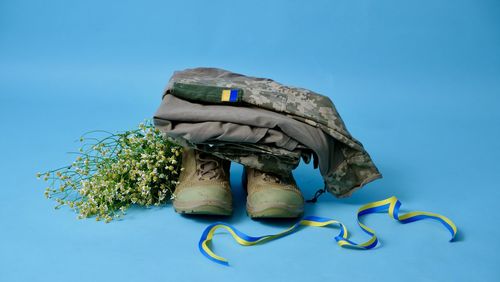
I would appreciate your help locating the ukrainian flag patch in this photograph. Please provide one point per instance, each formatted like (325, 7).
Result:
(229, 95)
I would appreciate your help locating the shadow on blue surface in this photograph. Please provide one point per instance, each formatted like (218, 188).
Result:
(415, 81)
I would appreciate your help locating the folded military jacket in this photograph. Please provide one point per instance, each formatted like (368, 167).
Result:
(262, 124)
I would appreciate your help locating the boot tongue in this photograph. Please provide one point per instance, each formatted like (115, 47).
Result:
(207, 166)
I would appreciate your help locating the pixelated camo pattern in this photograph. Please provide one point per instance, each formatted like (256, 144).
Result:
(354, 170)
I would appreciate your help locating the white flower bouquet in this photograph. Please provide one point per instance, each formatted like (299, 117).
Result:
(115, 170)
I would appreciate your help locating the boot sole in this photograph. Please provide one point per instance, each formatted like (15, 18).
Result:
(202, 207)
(275, 211)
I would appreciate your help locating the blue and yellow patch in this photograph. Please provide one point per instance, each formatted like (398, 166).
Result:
(229, 95)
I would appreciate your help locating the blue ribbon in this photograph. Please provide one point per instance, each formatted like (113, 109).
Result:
(390, 205)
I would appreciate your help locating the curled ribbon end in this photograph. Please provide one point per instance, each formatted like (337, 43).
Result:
(223, 262)
(453, 237)
(390, 205)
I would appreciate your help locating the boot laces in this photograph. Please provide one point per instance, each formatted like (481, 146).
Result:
(208, 167)
(268, 177)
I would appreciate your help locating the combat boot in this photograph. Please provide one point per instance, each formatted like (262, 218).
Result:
(272, 195)
(203, 185)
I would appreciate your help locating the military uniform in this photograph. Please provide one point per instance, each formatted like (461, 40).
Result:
(275, 110)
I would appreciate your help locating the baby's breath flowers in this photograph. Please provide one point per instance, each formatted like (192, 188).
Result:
(115, 170)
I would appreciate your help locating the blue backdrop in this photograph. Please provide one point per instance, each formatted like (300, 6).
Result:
(418, 82)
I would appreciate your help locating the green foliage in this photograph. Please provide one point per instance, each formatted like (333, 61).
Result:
(115, 170)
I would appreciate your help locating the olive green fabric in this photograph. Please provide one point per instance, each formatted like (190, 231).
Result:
(228, 124)
(202, 93)
(353, 165)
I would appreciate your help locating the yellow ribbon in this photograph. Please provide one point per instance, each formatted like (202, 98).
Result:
(390, 205)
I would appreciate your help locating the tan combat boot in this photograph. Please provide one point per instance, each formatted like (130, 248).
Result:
(203, 185)
(271, 195)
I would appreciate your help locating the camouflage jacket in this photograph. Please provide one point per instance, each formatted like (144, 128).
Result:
(353, 167)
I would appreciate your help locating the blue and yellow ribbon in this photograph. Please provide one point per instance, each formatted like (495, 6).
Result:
(390, 205)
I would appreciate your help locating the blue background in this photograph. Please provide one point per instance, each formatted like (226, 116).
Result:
(418, 82)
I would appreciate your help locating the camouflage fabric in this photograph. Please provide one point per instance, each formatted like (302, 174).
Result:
(353, 168)
(262, 157)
